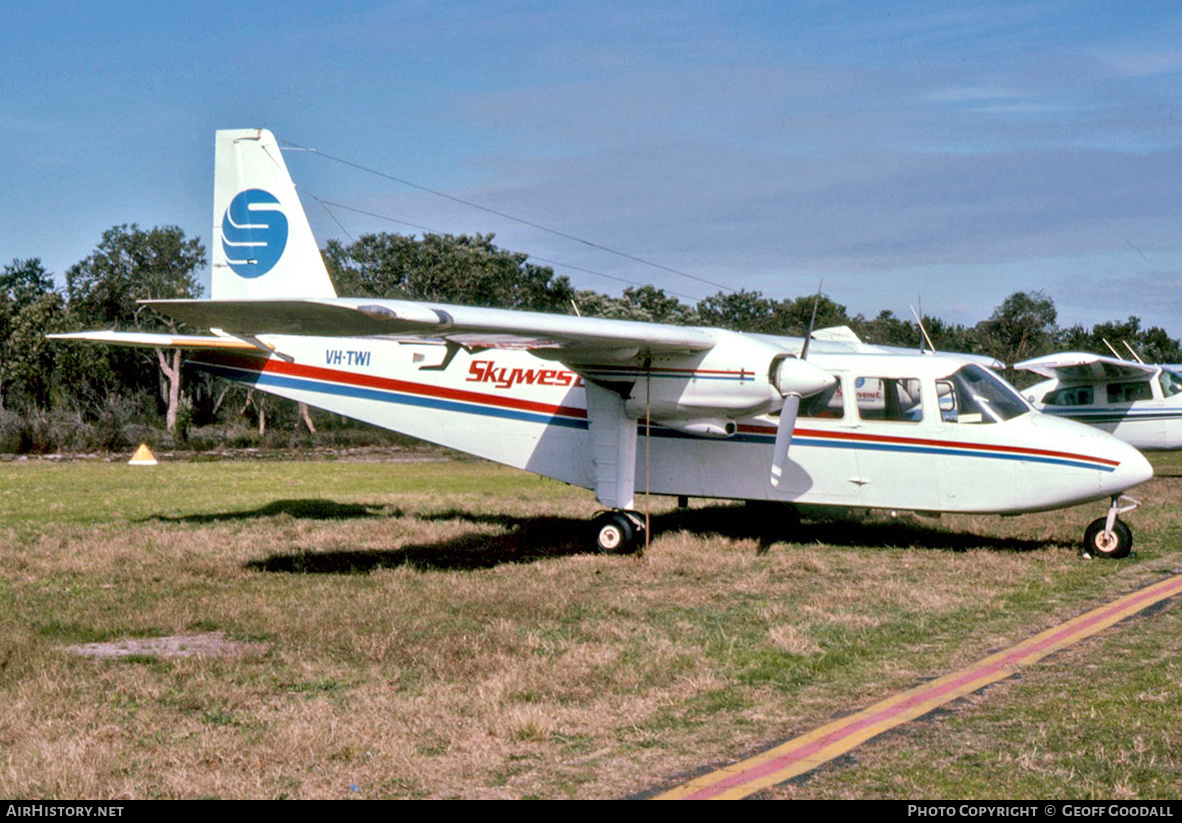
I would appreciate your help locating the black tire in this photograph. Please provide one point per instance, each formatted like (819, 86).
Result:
(1112, 545)
(616, 533)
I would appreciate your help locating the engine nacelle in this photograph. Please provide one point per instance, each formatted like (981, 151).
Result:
(739, 377)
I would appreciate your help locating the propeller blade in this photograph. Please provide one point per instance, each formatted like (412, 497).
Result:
(784, 436)
(808, 335)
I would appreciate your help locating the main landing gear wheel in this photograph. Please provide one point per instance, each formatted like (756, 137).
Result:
(617, 533)
(1099, 542)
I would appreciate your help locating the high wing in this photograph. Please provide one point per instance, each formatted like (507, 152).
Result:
(707, 378)
(1081, 367)
(553, 336)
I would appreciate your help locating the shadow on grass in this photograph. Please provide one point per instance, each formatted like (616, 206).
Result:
(308, 509)
(529, 539)
(525, 540)
(830, 530)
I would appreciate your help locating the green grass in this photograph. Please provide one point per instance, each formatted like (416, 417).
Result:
(437, 629)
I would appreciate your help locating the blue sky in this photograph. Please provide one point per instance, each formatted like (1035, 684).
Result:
(939, 151)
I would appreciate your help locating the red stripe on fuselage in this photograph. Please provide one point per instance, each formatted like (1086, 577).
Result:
(275, 366)
(857, 437)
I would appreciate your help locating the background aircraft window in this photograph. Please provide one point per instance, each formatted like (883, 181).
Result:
(829, 403)
(973, 394)
(1128, 392)
(1171, 383)
(889, 398)
(1074, 396)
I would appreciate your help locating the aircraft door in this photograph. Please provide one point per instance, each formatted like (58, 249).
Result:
(820, 460)
(898, 461)
(1136, 407)
(974, 472)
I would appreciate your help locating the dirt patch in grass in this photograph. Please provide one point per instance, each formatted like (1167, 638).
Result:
(210, 644)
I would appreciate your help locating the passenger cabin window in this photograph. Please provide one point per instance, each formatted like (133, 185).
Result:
(828, 404)
(894, 399)
(973, 394)
(1171, 383)
(1129, 392)
(1074, 396)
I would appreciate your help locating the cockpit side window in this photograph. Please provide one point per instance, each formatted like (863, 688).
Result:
(973, 394)
(1129, 392)
(1171, 382)
(828, 404)
(894, 399)
(1073, 396)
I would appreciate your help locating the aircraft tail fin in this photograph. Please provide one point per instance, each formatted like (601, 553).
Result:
(262, 244)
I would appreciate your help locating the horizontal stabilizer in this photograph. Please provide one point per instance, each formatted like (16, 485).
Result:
(157, 341)
(311, 317)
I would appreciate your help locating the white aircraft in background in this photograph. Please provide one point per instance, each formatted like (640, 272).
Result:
(619, 406)
(1140, 403)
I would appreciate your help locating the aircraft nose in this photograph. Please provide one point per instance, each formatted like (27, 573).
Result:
(1132, 469)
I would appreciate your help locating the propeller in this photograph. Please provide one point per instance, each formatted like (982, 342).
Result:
(784, 436)
(796, 379)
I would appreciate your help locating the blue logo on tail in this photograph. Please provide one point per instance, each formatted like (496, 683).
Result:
(254, 233)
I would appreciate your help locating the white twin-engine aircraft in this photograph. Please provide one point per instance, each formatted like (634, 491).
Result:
(1141, 403)
(618, 406)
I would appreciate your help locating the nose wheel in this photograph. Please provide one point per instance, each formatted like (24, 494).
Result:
(1109, 537)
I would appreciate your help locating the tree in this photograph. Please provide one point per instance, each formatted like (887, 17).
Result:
(463, 269)
(1022, 326)
(1153, 345)
(23, 281)
(29, 309)
(793, 317)
(131, 264)
(887, 330)
(645, 303)
(741, 310)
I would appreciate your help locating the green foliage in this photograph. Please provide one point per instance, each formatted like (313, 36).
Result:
(130, 265)
(646, 303)
(448, 268)
(1022, 326)
(742, 310)
(24, 281)
(750, 311)
(1152, 345)
(29, 308)
(116, 396)
(887, 330)
(794, 317)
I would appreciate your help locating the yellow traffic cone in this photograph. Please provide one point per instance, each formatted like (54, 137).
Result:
(142, 457)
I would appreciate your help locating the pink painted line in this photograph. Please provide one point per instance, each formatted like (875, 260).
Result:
(987, 671)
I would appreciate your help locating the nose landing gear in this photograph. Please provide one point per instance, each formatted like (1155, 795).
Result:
(1107, 536)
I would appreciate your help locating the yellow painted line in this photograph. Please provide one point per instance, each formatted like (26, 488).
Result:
(807, 752)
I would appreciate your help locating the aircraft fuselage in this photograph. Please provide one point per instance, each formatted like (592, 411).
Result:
(861, 448)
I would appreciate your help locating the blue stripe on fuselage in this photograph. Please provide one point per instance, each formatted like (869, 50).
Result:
(264, 379)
